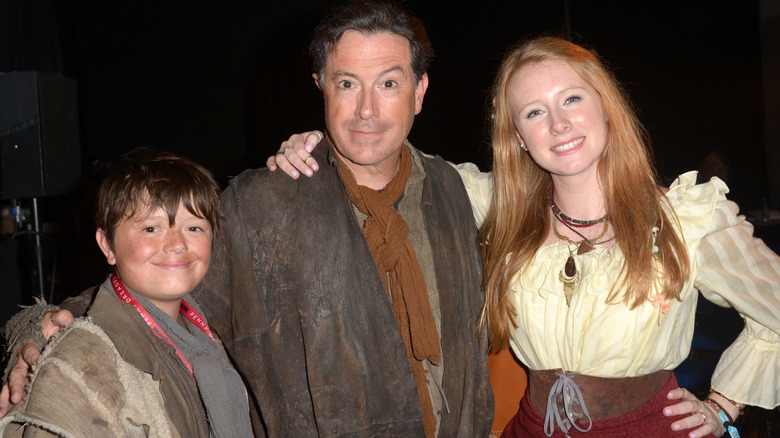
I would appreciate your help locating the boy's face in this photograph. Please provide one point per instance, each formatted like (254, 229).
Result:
(160, 261)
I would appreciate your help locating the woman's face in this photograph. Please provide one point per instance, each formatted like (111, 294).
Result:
(559, 117)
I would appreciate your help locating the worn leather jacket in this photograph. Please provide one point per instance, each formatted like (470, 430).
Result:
(108, 376)
(296, 297)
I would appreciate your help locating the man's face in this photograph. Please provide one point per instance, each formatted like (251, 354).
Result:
(371, 98)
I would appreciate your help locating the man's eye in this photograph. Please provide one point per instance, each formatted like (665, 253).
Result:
(149, 229)
(389, 84)
(345, 84)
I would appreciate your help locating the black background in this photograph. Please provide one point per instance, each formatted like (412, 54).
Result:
(224, 82)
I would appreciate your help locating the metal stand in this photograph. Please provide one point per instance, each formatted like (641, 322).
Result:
(38, 249)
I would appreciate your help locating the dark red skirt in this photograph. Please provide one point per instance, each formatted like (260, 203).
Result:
(646, 421)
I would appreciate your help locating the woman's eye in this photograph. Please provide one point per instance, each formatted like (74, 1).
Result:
(533, 113)
(573, 99)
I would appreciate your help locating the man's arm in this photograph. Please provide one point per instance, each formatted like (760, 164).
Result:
(13, 389)
(27, 333)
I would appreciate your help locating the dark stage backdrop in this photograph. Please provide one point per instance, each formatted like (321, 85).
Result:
(225, 82)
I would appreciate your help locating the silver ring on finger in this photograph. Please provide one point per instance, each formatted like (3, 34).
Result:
(284, 152)
(319, 135)
(704, 417)
(307, 157)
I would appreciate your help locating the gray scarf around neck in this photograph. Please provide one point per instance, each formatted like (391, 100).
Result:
(221, 389)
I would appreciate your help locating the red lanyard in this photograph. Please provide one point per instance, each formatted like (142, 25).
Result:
(186, 310)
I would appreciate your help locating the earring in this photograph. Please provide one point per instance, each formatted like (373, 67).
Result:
(523, 147)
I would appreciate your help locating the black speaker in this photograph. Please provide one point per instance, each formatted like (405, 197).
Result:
(39, 135)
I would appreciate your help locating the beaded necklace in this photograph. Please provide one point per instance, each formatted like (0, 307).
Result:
(568, 221)
(585, 245)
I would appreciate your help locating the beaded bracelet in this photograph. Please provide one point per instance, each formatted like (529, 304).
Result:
(724, 417)
(741, 408)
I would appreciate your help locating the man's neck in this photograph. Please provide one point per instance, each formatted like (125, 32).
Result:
(375, 177)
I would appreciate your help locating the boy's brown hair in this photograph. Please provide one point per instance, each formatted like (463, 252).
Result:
(145, 178)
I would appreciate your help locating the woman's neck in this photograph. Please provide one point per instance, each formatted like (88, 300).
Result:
(580, 199)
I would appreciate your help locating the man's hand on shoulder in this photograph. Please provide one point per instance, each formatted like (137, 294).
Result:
(54, 322)
(13, 389)
(294, 156)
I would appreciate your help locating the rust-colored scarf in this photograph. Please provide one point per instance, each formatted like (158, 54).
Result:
(387, 235)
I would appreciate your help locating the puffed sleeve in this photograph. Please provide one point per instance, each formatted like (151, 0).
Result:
(738, 270)
(479, 186)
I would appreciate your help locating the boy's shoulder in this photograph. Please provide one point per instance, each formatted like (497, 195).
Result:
(78, 360)
(78, 379)
(80, 349)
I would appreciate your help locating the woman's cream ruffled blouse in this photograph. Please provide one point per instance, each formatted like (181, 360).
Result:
(729, 266)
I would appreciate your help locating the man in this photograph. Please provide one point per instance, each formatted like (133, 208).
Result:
(350, 301)
(317, 298)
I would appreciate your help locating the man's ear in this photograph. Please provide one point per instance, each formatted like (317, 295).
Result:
(105, 246)
(316, 80)
(419, 93)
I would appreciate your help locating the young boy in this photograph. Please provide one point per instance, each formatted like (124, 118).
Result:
(143, 362)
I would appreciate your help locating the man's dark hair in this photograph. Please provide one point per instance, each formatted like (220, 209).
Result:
(370, 18)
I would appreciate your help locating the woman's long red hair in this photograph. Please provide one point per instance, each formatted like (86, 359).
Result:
(519, 218)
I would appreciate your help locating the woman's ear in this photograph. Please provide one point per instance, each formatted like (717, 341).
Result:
(105, 246)
(522, 143)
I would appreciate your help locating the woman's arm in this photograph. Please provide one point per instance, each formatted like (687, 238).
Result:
(738, 270)
(479, 186)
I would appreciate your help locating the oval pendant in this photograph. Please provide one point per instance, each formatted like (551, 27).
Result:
(571, 268)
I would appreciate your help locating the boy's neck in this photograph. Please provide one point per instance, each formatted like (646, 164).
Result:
(170, 307)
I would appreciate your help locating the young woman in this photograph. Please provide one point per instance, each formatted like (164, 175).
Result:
(592, 269)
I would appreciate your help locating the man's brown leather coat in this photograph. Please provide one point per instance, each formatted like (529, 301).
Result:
(296, 297)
